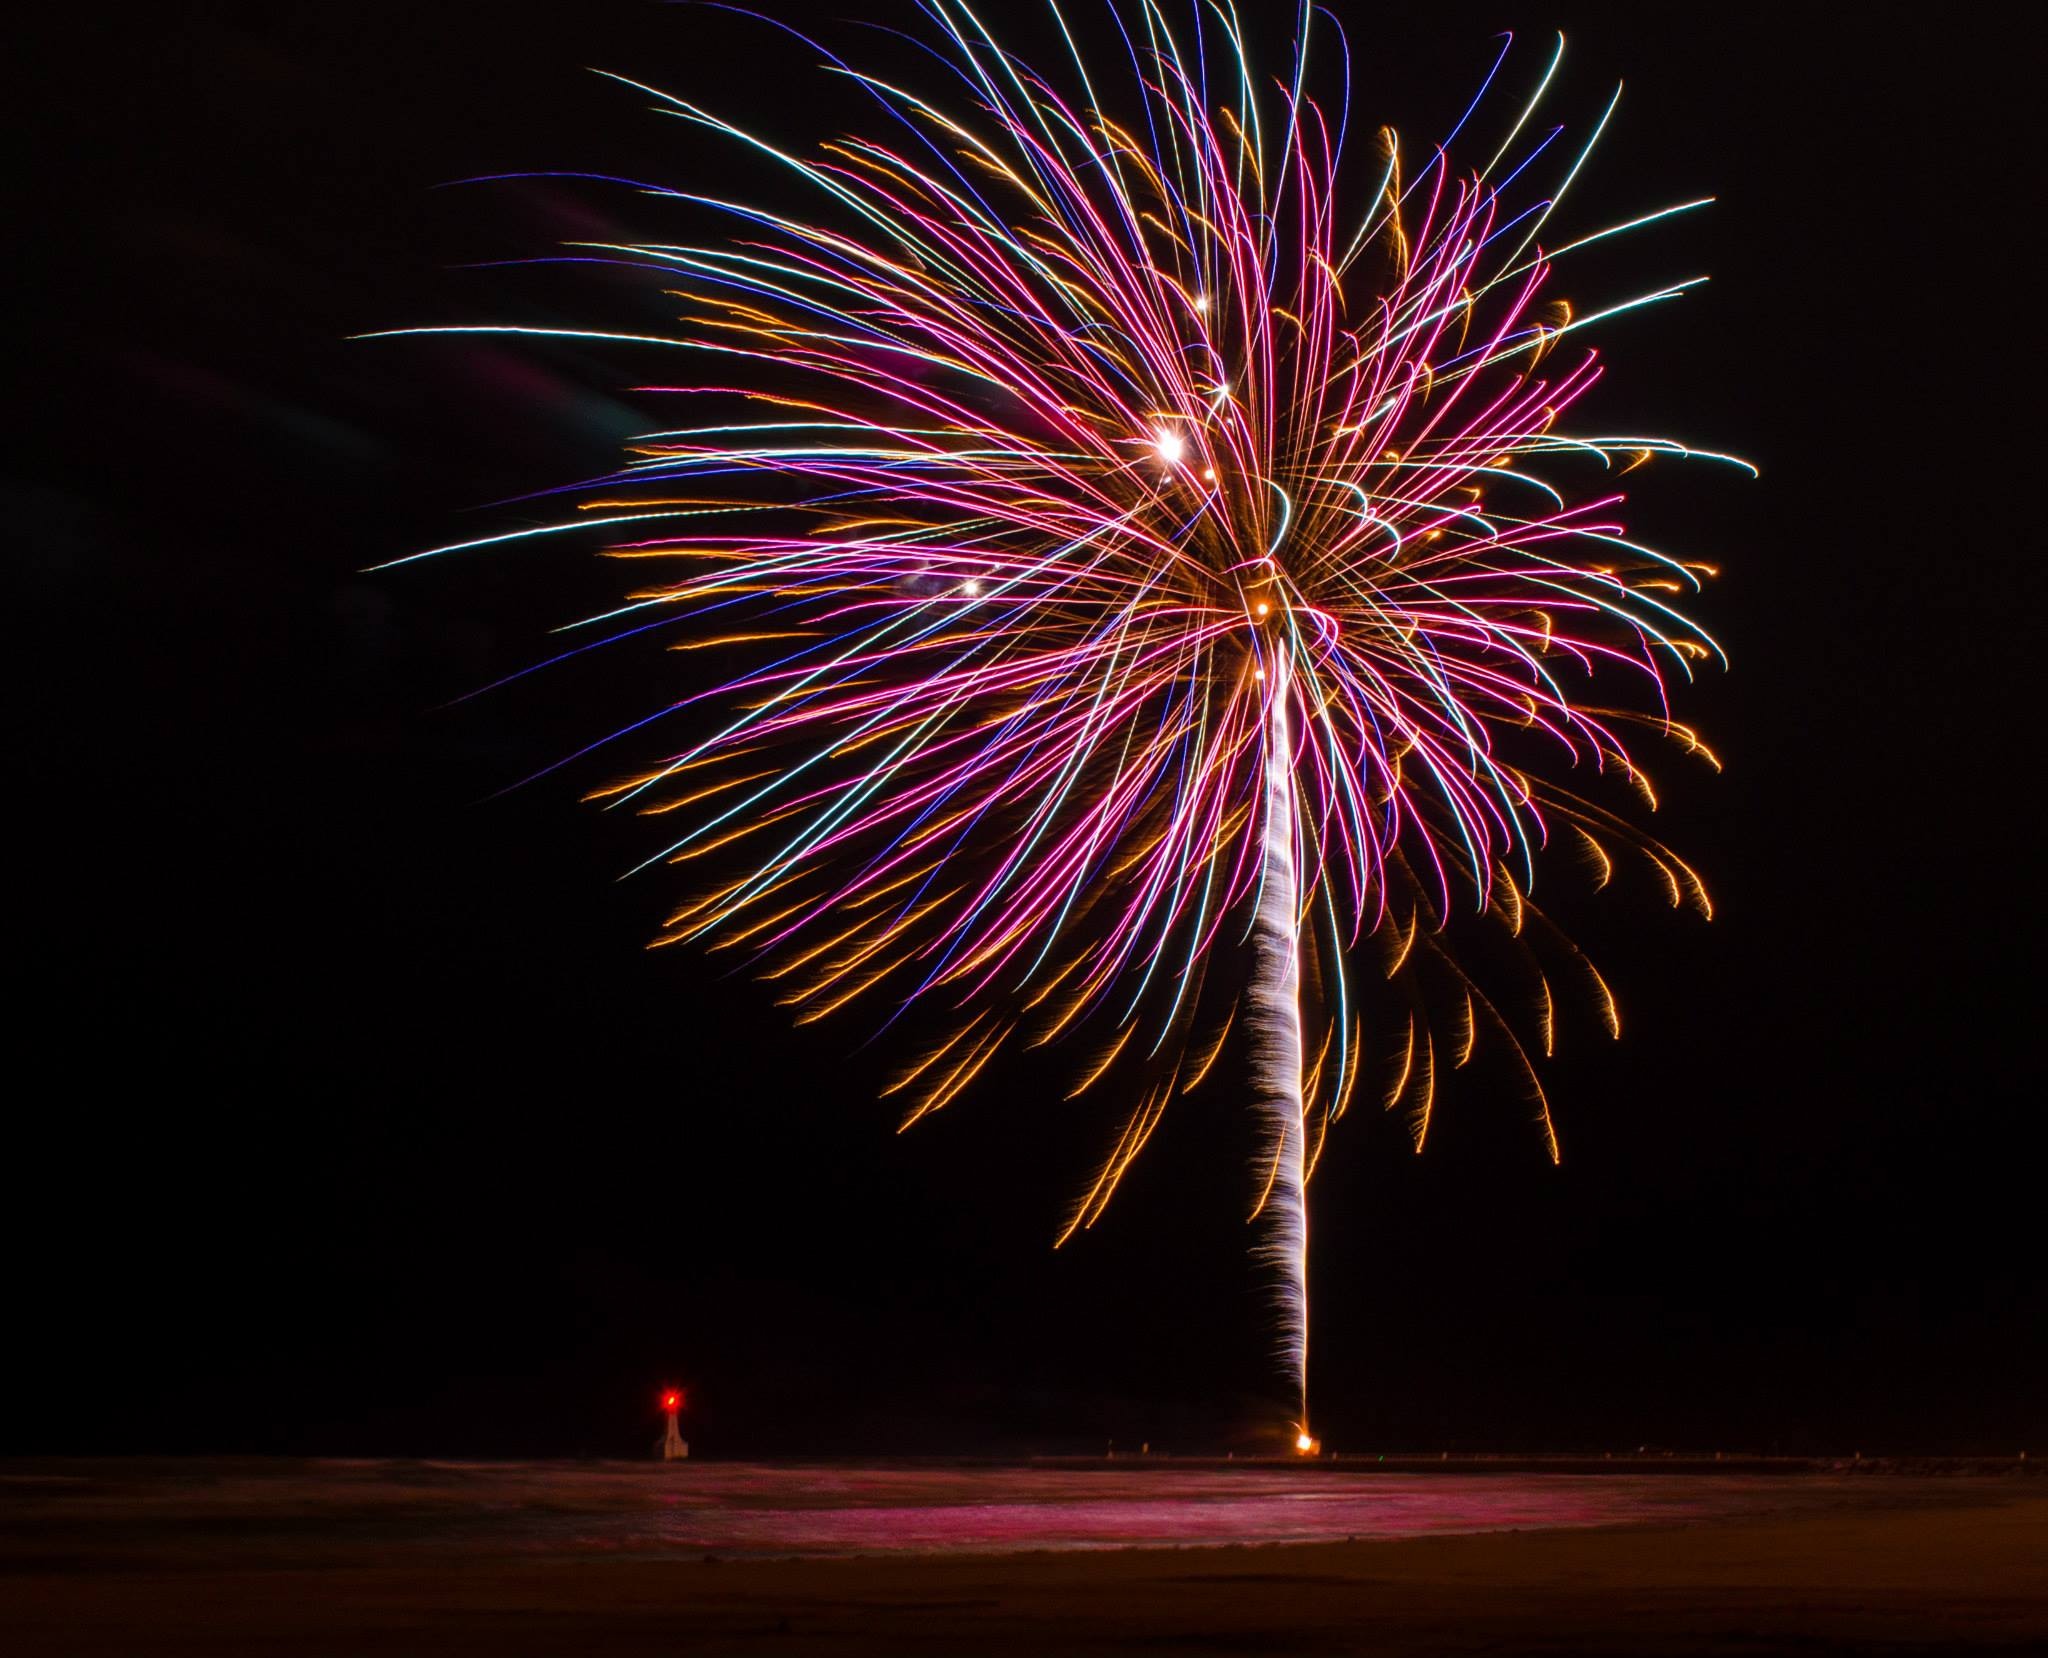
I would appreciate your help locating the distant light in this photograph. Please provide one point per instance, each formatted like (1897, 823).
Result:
(1171, 447)
(1258, 673)
(1201, 302)
(1209, 472)
(671, 1401)
(1304, 1444)
(973, 588)
(1262, 607)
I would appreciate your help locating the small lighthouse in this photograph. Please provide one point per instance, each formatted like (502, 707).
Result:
(674, 1447)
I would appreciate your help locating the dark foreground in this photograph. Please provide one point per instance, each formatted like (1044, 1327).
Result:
(410, 1558)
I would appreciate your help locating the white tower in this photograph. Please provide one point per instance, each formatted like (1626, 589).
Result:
(674, 1447)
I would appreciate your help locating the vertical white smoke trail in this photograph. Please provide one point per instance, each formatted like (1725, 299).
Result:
(1274, 1019)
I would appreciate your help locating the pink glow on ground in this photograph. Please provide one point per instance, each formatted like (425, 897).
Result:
(293, 1511)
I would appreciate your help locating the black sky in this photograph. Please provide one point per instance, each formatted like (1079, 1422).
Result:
(349, 1115)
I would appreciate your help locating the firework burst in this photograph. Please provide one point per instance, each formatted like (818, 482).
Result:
(1133, 541)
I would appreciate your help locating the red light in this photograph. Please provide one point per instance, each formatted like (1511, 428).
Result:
(671, 1401)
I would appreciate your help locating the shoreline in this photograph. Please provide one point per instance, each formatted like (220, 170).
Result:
(1834, 1565)
(30, 1469)
(1956, 1574)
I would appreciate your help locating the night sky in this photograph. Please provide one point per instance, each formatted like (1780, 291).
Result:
(349, 1115)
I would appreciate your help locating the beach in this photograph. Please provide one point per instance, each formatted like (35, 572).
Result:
(830, 1559)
